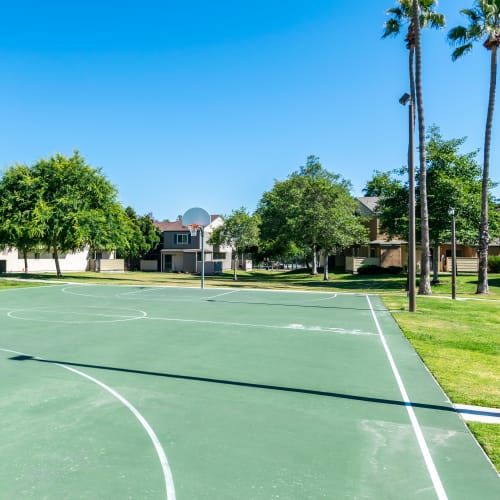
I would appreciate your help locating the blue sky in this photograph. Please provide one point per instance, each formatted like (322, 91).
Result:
(207, 103)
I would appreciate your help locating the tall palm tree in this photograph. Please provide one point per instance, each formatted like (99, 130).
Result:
(417, 14)
(484, 24)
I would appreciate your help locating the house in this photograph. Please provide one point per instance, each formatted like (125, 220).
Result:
(12, 261)
(385, 252)
(179, 251)
(380, 251)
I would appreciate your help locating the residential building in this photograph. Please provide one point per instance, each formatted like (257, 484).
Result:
(179, 251)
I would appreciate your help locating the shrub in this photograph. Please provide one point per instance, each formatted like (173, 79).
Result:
(494, 263)
(374, 269)
(393, 270)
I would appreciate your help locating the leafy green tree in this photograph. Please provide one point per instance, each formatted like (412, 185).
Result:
(378, 184)
(18, 198)
(76, 207)
(483, 25)
(141, 236)
(312, 208)
(454, 181)
(417, 14)
(240, 231)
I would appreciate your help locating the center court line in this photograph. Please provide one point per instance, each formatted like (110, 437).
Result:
(431, 468)
(167, 473)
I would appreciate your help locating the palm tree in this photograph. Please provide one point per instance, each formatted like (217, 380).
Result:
(484, 24)
(417, 14)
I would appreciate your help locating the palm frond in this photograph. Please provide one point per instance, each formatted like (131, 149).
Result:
(436, 21)
(460, 51)
(397, 12)
(458, 35)
(473, 14)
(392, 27)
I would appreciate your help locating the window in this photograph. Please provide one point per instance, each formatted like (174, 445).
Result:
(219, 256)
(182, 239)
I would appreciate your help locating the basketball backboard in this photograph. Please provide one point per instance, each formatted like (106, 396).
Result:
(197, 216)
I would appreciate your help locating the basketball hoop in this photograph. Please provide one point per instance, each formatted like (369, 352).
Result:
(193, 229)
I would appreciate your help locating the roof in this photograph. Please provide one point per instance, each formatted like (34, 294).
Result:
(178, 225)
(369, 203)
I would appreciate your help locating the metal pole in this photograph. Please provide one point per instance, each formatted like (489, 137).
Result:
(411, 237)
(202, 257)
(453, 258)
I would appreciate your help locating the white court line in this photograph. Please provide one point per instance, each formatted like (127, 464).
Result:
(292, 326)
(431, 468)
(326, 298)
(167, 473)
(220, 295)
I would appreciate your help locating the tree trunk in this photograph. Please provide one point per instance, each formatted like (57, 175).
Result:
(425, 285)
(325, 266)
(484, 233)
(314, 270)
(56, 258)
(25, 257)
(235, 275)
(435, 263)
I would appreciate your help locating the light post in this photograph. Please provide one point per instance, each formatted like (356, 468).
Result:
(406, 99)
(451, 211)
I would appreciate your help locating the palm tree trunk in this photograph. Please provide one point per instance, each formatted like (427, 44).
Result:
(484, 233)
(425, 285)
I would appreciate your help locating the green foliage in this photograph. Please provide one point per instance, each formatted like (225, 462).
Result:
(494, 263)
(402, 15)
(453, 180)
(379, 184)
(18, 197)
(313, 208)
(141, 236)
(483, 25)
(60, 204)
(240, 231)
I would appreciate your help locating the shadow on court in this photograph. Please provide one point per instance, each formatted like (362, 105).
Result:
(251, 385)
(271, 304)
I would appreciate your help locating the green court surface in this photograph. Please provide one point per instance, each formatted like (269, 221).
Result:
(173, 393)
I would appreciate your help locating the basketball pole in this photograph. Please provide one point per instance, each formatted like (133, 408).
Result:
(202, 232)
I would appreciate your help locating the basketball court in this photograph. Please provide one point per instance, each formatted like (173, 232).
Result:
(178, 393)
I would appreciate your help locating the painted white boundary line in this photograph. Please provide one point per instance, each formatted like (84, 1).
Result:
(167, 473)
(436, 480)
(482, 414)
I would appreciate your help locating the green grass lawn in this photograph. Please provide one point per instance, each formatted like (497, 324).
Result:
(459, 340)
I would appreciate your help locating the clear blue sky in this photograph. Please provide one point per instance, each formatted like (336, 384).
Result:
(206, 103)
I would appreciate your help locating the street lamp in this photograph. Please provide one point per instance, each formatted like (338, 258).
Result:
(406, 99)
(451, 212)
